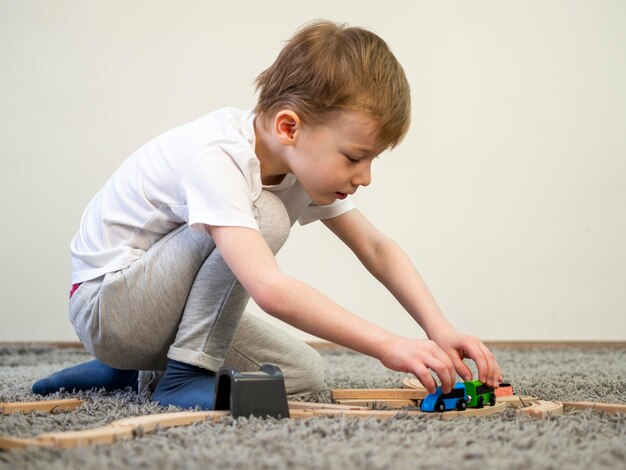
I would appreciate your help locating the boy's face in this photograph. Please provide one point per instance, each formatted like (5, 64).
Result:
(332, 160)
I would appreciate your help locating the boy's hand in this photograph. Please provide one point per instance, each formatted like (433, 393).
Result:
(419, 357)
(458, 347)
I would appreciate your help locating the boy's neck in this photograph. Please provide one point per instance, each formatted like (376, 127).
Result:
(269, 152)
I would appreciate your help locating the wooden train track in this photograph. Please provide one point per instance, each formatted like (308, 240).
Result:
(130, 428)
(356, 403)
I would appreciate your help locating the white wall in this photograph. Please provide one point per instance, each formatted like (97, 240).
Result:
(509, 192)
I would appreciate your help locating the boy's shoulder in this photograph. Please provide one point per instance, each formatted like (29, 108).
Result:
(222, 139)
(226, 135)
(224, 124)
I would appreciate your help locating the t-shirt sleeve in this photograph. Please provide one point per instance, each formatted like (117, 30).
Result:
(314, 212)
(217, 192)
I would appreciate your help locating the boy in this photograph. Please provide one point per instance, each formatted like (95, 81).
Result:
(170, 250)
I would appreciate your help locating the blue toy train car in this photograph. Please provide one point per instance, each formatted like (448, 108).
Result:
(472, 394)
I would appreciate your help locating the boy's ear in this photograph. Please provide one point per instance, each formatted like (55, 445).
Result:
(287, 126)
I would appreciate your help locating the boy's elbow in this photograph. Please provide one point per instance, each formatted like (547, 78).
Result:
(265, 301)
(268, 294)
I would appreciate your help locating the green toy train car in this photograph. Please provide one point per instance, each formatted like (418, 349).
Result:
(479, 394)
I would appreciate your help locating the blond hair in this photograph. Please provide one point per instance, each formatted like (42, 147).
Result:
(327, 67)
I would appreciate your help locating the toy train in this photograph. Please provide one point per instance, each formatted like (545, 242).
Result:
(463, 395)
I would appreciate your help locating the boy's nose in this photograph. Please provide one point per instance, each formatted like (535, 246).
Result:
(363, 177)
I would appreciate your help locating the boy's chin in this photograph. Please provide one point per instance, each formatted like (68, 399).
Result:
(322, 199)
(325, 200)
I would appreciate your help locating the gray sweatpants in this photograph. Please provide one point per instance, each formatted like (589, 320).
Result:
(181, 301)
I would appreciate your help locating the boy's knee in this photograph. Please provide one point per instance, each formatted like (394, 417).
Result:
(308, 375)
(273, 220)
(121, 355)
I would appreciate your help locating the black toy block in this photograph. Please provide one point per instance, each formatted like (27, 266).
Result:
(246, 394)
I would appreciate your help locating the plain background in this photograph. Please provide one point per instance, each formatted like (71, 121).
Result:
(509, 192)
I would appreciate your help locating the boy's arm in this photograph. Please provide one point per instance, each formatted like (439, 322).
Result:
(250, 259)
(393, 268)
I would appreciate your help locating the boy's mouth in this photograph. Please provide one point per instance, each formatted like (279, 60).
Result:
(341, 195)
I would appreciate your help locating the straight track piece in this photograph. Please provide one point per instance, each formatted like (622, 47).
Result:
(301, 405)
(378, 393)
(368, 404)
(44, 406)
(606, 407)
(385, 414)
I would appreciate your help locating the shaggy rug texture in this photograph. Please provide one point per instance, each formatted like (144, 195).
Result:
(579, 439)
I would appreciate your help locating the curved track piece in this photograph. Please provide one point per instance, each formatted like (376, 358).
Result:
(542, 409)
(412, 382)
(123, 429)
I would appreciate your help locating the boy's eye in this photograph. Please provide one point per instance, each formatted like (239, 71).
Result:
(352, 159)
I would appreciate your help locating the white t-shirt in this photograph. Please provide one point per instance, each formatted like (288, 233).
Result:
(204, 172)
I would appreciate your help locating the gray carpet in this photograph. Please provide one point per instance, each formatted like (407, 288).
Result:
(579, 439)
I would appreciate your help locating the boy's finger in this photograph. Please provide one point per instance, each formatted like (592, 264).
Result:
(496, 382)
(452, 369)
(449, 373)
(442, 371)
(448, 362)
(461, 368)
(499, 374)
(490, 373)
(423, 374)
(476, 354)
